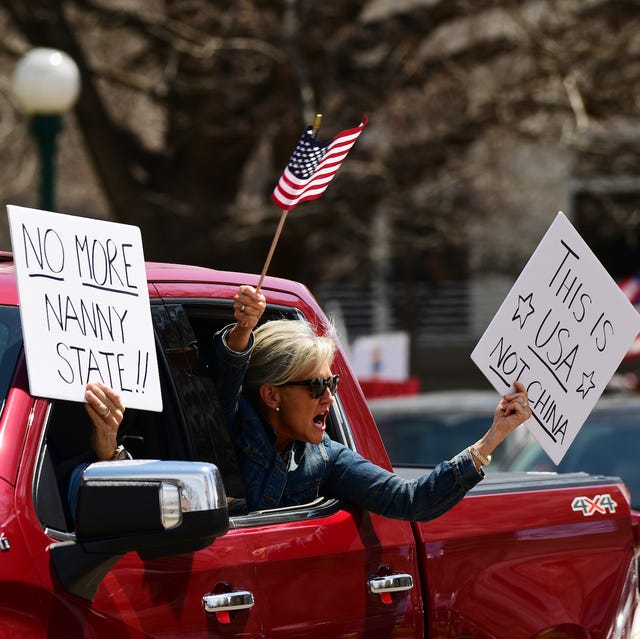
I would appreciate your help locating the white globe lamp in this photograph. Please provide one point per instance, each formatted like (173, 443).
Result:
(45, 85)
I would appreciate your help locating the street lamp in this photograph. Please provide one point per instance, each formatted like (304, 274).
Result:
(46, 84)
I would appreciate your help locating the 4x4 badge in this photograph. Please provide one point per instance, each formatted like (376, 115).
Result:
(600, 504)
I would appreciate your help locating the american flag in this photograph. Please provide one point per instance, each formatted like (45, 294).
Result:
(312, 166)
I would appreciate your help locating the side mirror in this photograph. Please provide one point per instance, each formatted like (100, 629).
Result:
(156, 508)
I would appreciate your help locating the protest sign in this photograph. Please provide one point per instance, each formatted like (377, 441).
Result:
(562, 331)
(381, 356)
(84, 307)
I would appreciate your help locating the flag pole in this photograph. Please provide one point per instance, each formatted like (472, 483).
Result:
(316, 125)
(276, 237)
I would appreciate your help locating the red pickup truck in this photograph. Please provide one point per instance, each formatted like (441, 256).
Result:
(162, 546)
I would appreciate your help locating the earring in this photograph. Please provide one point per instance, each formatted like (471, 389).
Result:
(277, 409)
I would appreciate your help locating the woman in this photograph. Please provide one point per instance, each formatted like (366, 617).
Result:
(276, 387)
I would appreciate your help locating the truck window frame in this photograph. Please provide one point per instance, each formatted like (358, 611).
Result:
(205, 317)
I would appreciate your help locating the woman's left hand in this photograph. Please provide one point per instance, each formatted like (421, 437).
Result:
(105, 408)
(512, 411)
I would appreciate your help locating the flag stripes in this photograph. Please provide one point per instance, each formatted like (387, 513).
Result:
(312, 166)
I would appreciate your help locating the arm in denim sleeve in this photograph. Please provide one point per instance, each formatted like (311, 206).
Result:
(356, 479)
(228, 369)
(264, 473)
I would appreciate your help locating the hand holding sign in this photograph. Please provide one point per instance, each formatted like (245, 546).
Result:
(562, 330)
(512, 411)
(84, 307)
(105, 409)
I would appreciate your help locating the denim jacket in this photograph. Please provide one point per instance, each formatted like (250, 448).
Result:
(304, 471)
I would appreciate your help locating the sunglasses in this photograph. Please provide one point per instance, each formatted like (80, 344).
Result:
(318, 385)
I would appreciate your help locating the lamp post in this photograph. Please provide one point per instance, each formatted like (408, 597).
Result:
(46, 84)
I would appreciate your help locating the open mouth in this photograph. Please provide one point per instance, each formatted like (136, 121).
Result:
(320, 421)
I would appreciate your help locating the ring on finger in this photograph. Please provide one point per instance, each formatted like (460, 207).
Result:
(242, 308)
(105, 415)
(525, 403)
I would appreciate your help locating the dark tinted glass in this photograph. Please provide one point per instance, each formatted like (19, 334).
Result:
(10, 345)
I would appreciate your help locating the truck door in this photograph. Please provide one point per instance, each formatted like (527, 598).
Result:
(315, 565)
(196, 594)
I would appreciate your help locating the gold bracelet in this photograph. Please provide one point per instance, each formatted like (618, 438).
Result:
(484, 461)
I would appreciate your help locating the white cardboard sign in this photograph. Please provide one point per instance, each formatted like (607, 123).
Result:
(84, 307)
(562, 331)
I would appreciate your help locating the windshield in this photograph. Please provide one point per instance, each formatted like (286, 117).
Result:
(10, 345)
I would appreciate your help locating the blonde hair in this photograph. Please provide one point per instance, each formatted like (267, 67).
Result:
(286, 351)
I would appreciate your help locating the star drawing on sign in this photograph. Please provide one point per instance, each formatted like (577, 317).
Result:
(525, 308)
(587, 384)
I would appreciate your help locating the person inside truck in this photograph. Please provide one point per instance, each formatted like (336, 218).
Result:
(276, 388)
(106, 411)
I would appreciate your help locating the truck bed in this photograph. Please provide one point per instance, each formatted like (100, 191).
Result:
(502, 481)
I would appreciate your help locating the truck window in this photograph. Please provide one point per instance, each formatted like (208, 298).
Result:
(10, 345)
(186, 329)
(186, 351)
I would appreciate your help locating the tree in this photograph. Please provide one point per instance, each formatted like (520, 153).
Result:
(190, 110)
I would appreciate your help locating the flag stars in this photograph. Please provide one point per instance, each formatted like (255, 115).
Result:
(306, 157)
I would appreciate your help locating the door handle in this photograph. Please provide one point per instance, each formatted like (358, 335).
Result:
(223, 603)
(387, 584)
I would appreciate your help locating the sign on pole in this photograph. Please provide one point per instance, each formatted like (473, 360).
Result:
(84, 307)
(562, 331)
